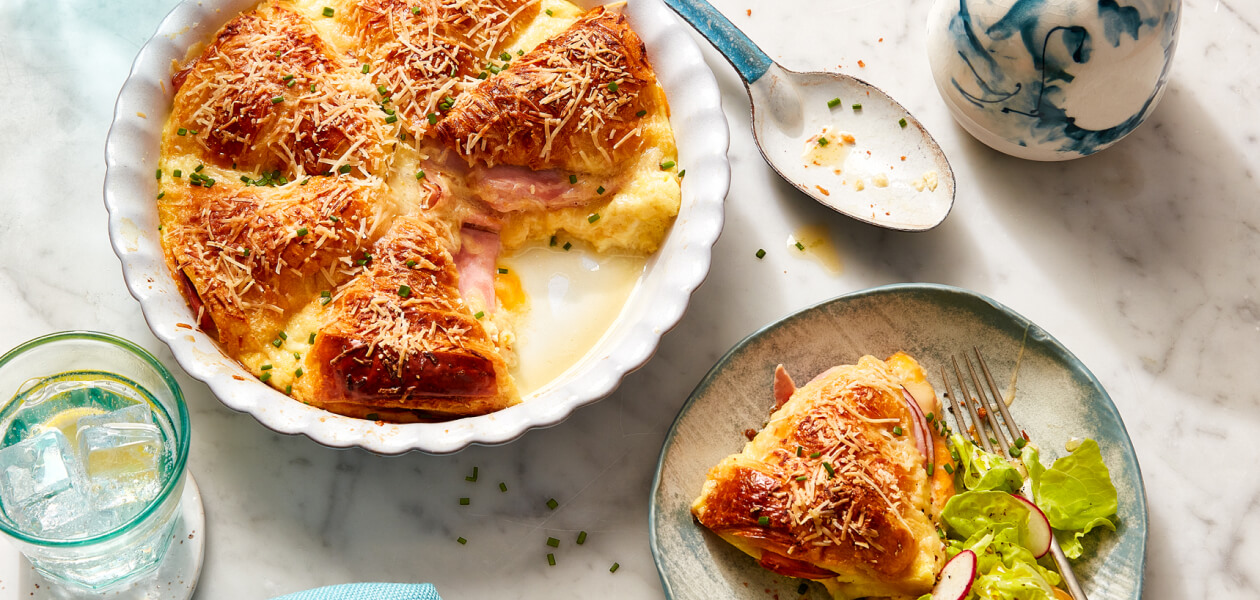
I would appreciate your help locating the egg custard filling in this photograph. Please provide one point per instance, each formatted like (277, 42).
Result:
(844, 485)
(343, 182)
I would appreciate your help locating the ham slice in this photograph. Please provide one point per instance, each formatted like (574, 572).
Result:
(478, 253)
(508, 188)
(784, 387)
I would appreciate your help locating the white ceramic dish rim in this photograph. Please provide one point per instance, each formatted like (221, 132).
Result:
(654, 307)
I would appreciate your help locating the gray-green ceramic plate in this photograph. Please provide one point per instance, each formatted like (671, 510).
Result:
(1057, 399)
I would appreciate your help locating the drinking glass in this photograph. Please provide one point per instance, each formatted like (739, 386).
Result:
(103, 373)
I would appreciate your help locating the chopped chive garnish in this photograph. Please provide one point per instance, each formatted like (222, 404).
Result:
(948, 469)
(461, 540)
(282, 335)
(552, 504)
(433, 118)
(1020, 442)
(931, 468)
(311, 340)
(483, 75)
(614, 567)
(276, 343)
(552, 242)
(831, 472)
(277, 100)
(328, 11)
(567, 245)
(581, 538)
(391, 119)
(897, 430)
(312, 87)
(902, 123)
(325, 294)
(494, 69)
(181, 131)
(305, 181)
(572, 179)
(288, 389)
(382, 90)
(245, 252)
(641, 114)
(299, 372)
(420, 174)
(158, 174)
(520, 53)
(265, 376)
(177, 173)
(857, 107)
(815, 454)
(763, 521)
(302, 232)
(549, 13)
(502, 487)
(404, 290)
(411, 263)
(159, 197)
(415, 10)
(367, 68)
(612, 86)
(599, 190)
(472, 477)
(505, 56)
(480, 314)
(800, 450)
(343, 169)
(551, 559)
(465, 501)
(502, 271)
(801, 478)
(265, 367)
(669, 164)
(822, 141)
(594, 217)
(761, 253)
(832, 103)
(297, 356)
(930, 417)
(682, 173)
(553, 542)
(800, 246)
(1015, 452)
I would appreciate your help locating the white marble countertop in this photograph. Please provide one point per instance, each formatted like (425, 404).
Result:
(1144, 260)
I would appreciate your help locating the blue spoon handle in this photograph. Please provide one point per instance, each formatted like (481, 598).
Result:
(749, 61)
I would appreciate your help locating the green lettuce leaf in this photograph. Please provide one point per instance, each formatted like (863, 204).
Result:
(983, 470)
(1076, 494)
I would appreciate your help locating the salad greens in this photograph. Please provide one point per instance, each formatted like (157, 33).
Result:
(1075, 493)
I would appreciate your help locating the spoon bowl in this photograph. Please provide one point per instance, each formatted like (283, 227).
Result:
(838, 139)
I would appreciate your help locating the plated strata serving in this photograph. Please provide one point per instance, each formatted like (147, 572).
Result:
(1057, 400)
(338, 180)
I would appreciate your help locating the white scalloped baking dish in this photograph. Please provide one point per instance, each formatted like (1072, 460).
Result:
(655, 306)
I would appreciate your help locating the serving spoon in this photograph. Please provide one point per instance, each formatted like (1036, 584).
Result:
(838, 139)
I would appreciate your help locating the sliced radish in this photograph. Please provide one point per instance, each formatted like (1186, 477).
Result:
(1039, 533)
(956, 577)
(922, 435)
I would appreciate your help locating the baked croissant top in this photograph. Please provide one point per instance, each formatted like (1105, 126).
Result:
(324, 230)
(835, 487)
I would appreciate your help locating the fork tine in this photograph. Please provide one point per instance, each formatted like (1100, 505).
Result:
(1011, 425)
(990, 414)
(978, 431)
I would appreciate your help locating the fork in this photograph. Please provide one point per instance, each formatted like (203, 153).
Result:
(989, 434)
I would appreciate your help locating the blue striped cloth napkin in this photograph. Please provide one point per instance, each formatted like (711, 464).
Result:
(368, 591)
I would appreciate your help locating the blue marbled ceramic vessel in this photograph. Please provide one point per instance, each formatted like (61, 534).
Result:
(1052, 79)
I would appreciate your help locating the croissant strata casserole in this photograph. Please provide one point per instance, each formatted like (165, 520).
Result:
(839, 486)
(339, 179)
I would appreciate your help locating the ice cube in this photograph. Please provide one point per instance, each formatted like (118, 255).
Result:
(41, 486)
(136, 413)
(123, 463)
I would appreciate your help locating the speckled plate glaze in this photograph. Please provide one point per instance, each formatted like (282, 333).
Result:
(1058, 398)
(654, 307)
